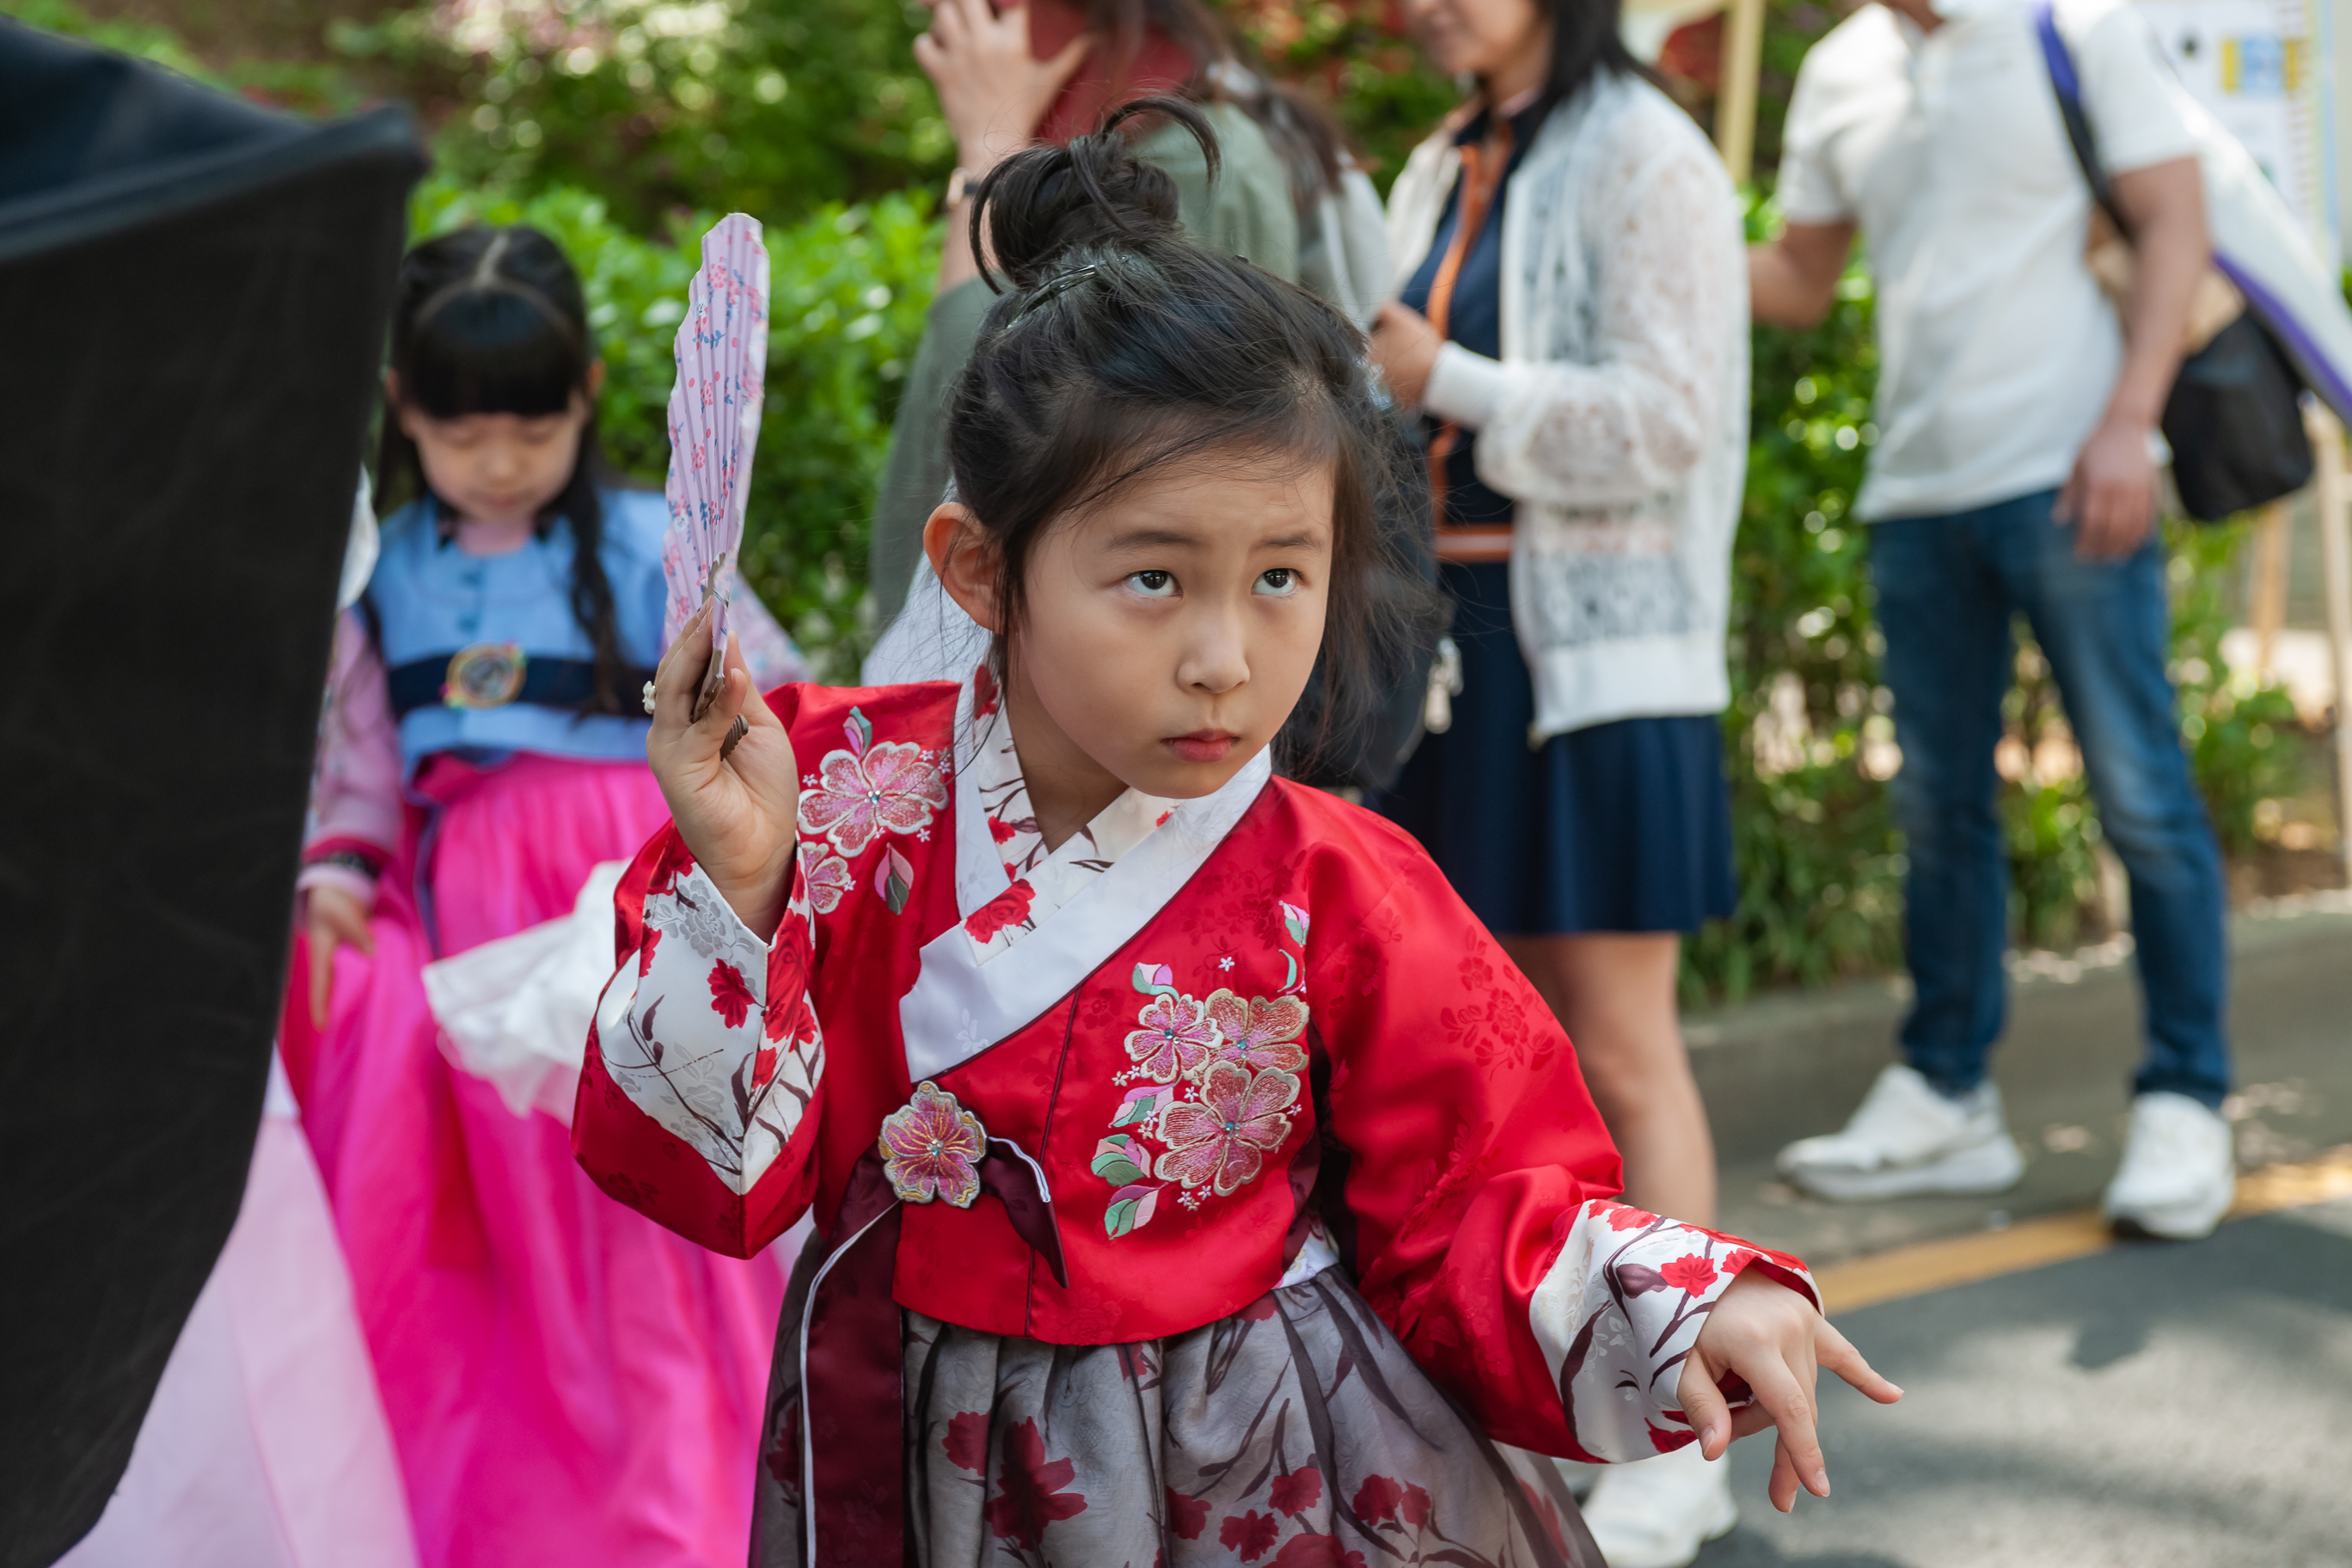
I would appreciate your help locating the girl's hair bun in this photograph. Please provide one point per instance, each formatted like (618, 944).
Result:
(1040, 206)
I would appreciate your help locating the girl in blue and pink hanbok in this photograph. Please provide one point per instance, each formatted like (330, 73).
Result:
(566, 1382)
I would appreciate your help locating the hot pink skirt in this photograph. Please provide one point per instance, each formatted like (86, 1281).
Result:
(567, 1383)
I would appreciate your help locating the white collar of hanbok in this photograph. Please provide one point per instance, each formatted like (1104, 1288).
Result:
(1067, 910)
(1000, 912)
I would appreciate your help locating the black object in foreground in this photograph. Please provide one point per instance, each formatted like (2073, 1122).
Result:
(193, 296)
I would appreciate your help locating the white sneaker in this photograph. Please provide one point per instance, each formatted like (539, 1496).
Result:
(1657, 1513)
(2179, 1174)
(1907, 1139)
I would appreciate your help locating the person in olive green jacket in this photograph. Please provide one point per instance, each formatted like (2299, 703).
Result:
(1287, 196)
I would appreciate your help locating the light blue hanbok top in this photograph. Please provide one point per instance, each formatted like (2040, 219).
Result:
(482, 652)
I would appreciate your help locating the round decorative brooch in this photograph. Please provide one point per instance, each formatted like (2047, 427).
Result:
(484, 675)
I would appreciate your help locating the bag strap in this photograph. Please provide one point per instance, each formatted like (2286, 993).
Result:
(2067, 88)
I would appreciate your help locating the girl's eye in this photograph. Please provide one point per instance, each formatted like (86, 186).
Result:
(1152, 584)
(1279, 581)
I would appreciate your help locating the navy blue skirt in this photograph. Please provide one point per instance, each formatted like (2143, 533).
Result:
(1623, 827)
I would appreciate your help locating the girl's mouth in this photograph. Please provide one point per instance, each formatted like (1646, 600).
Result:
(1203, 745)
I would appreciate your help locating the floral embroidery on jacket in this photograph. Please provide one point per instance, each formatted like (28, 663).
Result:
(824, 875)
(1219, 1090)
(932, 1148)
(1221, 1141)
(1177, 1037)
(871, 789)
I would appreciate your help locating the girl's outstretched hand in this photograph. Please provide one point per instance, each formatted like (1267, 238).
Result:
(1771, 1337)
(737, 814)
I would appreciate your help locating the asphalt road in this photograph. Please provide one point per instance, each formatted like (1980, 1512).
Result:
(2147, 1408)
(1793, 1065)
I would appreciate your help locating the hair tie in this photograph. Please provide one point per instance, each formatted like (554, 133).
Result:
(1055, 288)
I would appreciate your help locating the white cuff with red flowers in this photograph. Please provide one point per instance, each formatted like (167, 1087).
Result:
(692, 1033)
(1617, 1313)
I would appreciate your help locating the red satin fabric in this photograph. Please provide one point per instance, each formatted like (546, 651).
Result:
(1438, 1082)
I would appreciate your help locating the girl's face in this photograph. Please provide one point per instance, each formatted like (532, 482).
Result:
(1166, 634)
(496, 469)
(1484, 38)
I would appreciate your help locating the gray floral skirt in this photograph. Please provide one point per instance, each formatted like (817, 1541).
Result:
(1295, 1434)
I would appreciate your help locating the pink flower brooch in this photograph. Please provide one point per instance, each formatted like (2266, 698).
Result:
(932, 1148)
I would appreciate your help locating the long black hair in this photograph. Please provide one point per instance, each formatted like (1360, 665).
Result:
(1585, 42)
(492, 321)
(1118, 346)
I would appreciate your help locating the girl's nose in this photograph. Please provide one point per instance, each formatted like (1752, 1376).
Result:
(1215, 660)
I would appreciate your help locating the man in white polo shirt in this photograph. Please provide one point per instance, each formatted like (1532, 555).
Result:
(2015, 471)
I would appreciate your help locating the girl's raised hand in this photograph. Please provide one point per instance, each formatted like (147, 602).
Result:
(1770, 1337)
(737, 814)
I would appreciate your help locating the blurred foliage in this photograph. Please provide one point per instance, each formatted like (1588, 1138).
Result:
(622, 127)
(658, 106)
(2244, 740)
(304, 86)
(1819, 864)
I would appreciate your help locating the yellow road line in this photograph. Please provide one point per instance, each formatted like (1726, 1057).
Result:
(2035, 1242)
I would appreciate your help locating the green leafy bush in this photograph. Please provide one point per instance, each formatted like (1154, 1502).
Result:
(657, 105)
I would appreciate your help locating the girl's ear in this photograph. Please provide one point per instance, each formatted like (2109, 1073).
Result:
(965, 559)
(595, 379)
(393, 405)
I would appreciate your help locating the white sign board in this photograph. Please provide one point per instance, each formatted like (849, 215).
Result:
(2262, 66)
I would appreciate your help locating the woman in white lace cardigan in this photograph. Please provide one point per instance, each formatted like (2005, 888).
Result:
(1572, 320)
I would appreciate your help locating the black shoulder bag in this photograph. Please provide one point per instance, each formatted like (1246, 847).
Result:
(2234, 419)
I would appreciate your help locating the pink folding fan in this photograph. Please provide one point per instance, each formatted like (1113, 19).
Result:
(714, 425)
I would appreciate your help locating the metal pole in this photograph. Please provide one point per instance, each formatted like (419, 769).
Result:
(1735, 104)
(2335, 499)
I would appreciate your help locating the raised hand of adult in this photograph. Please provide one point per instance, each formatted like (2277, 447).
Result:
(2111, 495)
(332, 917)
(992, 91)
(736, 813)
(1771, 1337)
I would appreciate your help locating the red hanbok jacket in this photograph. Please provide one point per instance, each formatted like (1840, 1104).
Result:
(1238, 1039)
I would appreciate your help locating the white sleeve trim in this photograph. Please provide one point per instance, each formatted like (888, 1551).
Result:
(1465, 387)
(1616, 1316)
(735, 1091)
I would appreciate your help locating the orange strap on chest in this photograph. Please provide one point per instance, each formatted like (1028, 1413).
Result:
(1482, 176)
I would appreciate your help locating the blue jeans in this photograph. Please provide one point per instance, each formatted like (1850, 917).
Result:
(1946, 589)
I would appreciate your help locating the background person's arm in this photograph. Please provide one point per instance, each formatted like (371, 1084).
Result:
(1793, 280)
(993, 95)
(2111, 494)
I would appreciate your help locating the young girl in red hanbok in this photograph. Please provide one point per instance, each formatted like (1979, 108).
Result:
(1196, 1182)
(566, 1382)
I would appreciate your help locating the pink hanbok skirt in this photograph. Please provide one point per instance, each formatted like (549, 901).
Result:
(566, 1382)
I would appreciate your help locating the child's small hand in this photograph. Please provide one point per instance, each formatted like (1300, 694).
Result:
(1770, 1337)
(331, 917)
(737, 814)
